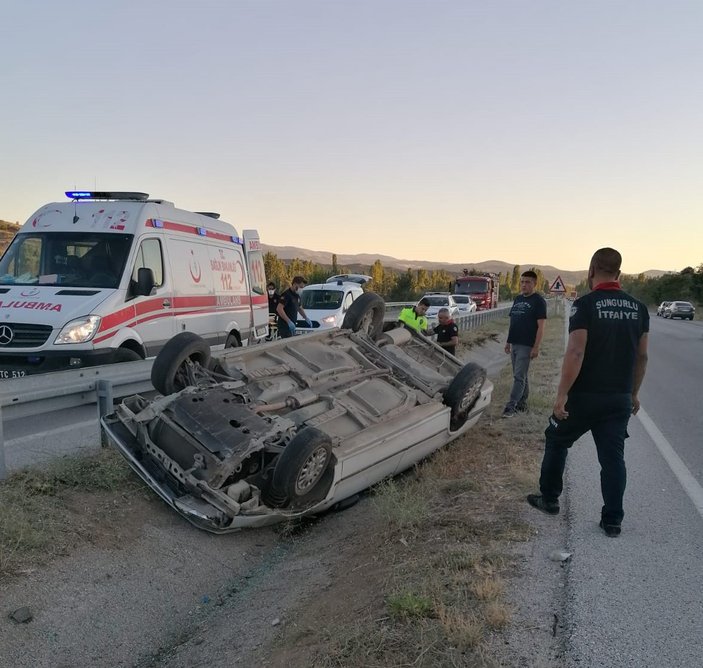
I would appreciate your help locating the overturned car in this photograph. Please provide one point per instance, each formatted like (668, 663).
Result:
(255, 435)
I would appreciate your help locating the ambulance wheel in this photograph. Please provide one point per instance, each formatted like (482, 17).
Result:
(125, 355)
(463, 393)
(232, 341)
(179, 363)
(304, 471)
(365, 315)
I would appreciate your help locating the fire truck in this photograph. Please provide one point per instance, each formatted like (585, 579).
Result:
(482, 288)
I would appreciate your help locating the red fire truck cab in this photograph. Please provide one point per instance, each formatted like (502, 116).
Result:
(483, 289)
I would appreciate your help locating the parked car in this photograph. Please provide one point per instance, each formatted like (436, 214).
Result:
(296, 426)
(661, 307)
(681, 310)
(465, 304)
(326, 304)
(440, 300)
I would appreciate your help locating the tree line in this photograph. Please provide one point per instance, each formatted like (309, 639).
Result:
(686, 285)
(392, 284)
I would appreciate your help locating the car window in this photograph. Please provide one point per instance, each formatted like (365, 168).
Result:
(438, 301)
(324, 300)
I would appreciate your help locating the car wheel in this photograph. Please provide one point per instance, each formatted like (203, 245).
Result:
(178, 361)
(304, 471)
(463, 393)
(690, 317)
(366, 315)
(126, 355)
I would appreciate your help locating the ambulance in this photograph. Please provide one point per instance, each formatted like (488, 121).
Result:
(111, 276)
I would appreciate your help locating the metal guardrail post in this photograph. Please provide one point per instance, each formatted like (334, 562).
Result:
(103, 392)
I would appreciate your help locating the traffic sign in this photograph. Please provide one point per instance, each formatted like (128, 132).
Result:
(558, 286)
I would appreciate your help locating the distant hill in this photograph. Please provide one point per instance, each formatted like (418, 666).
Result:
(7, 232)
(362, 262)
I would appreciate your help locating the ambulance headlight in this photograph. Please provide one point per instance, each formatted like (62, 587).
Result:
(79, 330)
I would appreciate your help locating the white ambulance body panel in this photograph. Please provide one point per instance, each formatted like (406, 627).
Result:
(70, 283)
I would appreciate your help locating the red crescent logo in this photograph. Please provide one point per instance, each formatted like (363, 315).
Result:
(195, 272)
(241, 271)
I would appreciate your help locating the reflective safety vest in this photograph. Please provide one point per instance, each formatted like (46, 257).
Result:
(413, 320)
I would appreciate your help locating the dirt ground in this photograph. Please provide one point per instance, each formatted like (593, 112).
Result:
(444, 567)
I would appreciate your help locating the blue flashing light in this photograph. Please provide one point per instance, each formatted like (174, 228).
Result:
(202, 231)
(79, 194)
(237, 240)
(157, 223)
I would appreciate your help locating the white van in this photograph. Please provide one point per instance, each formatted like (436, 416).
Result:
(111, 276)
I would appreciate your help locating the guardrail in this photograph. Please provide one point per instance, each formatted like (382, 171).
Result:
(34, 396)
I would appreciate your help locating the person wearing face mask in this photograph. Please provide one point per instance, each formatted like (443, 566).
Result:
(273, 297)
(289, 307)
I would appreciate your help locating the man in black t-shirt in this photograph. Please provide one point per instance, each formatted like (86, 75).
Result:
(446, 330)
(527, 318)
(288, 308)
(603, 368)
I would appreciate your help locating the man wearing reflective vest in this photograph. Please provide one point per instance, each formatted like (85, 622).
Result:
(414, 316)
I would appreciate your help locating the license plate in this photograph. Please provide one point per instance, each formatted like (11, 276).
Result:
(8, 374)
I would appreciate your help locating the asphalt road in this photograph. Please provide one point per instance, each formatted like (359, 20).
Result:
(636, 600)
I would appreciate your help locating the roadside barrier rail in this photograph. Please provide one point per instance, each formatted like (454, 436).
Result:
(34, 396)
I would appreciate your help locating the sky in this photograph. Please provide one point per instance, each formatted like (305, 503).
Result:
(529, 131)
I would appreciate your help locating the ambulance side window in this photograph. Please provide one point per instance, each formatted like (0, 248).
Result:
(149, 255)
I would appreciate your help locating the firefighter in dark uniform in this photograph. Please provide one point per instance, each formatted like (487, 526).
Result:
(603, 368)
(288, 308)
(446, 330)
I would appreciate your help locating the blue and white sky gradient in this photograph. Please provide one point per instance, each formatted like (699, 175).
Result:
(528, 131)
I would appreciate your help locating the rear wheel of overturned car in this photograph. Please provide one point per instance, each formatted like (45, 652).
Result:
(304, 471)
(463, 393)
(179, 362)
(366, 315)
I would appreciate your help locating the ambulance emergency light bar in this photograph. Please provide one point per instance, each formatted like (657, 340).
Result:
(93, 194)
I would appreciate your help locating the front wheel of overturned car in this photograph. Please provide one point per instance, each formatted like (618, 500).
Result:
(176, 366)
(304, 471)
(366, 315)
(463, 393)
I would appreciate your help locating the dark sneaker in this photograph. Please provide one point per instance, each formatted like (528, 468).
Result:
(522, 408)
(508, 413)
(611, 530)
(537, 501)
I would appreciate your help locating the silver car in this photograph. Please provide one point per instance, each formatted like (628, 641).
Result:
(683, 310)
(296, 426)
(464, 303)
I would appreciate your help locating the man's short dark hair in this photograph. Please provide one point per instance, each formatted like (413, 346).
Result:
(529, 274)
(606, 261)
(271, 284)
(424, 301)
(299, 280)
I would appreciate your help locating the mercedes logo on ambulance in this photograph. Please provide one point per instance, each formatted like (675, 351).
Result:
(6, 335)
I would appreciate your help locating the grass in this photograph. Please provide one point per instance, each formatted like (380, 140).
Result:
(458, 516)
(40, 520)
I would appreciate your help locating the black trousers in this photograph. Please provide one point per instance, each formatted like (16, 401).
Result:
(606, 416)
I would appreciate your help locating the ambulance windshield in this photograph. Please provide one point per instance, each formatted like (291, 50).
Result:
(66, 259)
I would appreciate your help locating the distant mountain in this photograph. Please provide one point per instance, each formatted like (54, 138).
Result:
(363, 261)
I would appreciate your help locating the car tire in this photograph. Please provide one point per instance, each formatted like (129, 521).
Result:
(186, 348)
(366, 315)
(304, 471)
(126, 355)
(463, 393)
